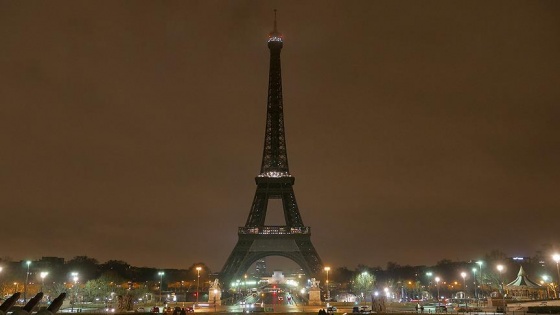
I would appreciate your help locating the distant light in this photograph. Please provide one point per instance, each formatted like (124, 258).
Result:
(275, 174)
(517, 258)
(556, 257)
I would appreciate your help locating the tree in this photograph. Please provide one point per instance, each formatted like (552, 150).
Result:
(104, 286)
(118, 266)
(363, 283)
(342, 275)
(88, 268)
(495, 255)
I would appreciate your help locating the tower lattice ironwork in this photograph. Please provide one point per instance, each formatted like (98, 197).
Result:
(257, 240)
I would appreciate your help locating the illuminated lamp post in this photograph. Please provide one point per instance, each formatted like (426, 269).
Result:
(464, 276)
(43, 274)
(429, 275)
(501, 270)
(437, 285)
(75, 278)
(26, 281)
(556, 258)
(544, 282)
(160, 274)
(197, 282)
(474, 278)
(327, 269)
(479, 263)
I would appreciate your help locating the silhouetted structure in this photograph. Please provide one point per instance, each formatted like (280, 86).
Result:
(256, 240)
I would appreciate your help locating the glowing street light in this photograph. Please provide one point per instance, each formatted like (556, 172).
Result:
(556, 258)
(464, 276)
(26, 281)
(479, 263)
(43, 274)
(75, 278)
(327, 269)
(474, 282)
(501, 269)
(215, 293)
(437, 285)
(160, 274)
(198, 282)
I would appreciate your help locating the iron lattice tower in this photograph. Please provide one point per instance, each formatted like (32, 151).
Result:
(256, 240)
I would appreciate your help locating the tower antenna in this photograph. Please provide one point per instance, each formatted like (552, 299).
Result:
(275, 28)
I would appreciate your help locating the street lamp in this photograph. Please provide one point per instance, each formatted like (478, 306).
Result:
(556, 258)
(26, 281)
(474, 278)
(327, 269)
(437, 285)
(160, 274)
(75, 278)
(464, 276)
(197, 282)
(479, 263)
(501, 269)
(43, 274)
(544, 282)
(215, 293)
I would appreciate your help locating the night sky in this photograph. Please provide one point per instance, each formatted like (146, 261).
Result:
(416, 130)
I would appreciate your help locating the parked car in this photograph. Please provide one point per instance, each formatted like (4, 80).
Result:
(331, 309)
(361, 310)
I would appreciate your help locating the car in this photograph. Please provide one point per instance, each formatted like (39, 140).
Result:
(140, 310)
(189, 309)
(331, 309)
(155, 309)
(361, 310)
(441, 308)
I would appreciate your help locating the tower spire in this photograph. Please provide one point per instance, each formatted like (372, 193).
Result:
(275, 28)
(275, 36)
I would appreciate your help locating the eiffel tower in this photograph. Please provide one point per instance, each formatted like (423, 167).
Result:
(257, 240)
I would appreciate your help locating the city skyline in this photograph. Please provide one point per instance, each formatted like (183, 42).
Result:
(416, 131)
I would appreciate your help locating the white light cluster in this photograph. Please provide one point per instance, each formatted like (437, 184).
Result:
(275, 39)
(275, 174)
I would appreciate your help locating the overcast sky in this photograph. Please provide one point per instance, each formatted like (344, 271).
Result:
(416, 130)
